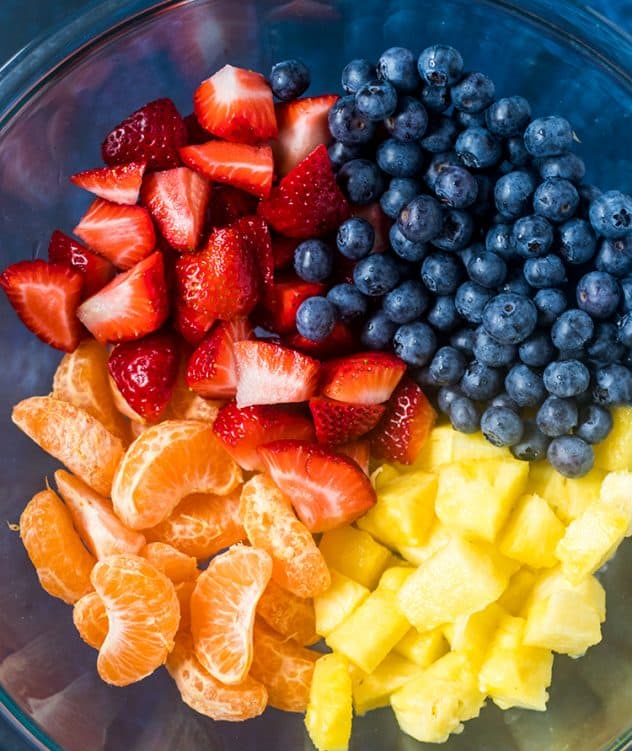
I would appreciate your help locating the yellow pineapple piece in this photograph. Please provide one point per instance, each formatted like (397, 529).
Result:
(616, 492)
(393, 578)
(438, 537)
(340, 600)
(384, 474)
(513, 599)
(615, 452)
(568, 498)
(437, 450)
(373, 690)
(330, 709)
(472, 634)
(422, 648)
(532, 533)
(355, 554)
(589, 589)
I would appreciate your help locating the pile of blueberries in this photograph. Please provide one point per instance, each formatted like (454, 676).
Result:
(508, 284)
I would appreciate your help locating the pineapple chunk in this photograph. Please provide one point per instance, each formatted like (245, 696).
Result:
(475, 497)
(616, 492)
(517, 592)
(437, 450)
(615, 452)
(384, 474)
(515, 675)
(340, 600)
(589, 589)
(393, 578)
(568, 498)
(404, 511)
(417, 554)
(472, 634)
(373, 690)
(458, 579)
(355, 554)
(434, 705)
(532, 533)
(330, 709)
(422, 649)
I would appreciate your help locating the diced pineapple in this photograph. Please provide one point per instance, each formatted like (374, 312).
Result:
(446, 445)
(472, 634)
(438, 537)
(373, 690)
(384, 474)
(434, 705)
(515, 675)
(404, 511)
(518, 590)
(330, 709)
(568, 498)
(422, 649)
(340, 600)
(355, 554)
(589, 589)
(394, 577)
(615, 452)
(616, 492)
(459, 579)
(532, 533)
(475, 497)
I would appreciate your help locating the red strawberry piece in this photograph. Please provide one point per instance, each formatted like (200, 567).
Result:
(373, 213)
(122, 234)
(406, 424)
(339, 342)
(222, 279)
(363, 378)
(241, 165)
(236, 104)
(211, 371)
(177, 200)
(45, 296)
(195, 132)
(338, 422)
(228, 204)
(119, 184)
(271, 374)
(257, 236)
(326, 489)
(302, 127)
(192, 324)
(132, 305)
(96, 271)
(279, 308)
(242, 431)
(283, 250)
(359, 451)
(145, 372)
(153, 134)
(307, 202)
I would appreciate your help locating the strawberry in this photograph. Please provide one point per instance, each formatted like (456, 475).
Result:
(363, 378)
(271, 374)
(406, 424)
(211, 371)
(242, 431)
(119, 184)
(326, 489)
(195, 132)
(145, 372)
(340, 341)
(359, 451)
(302, 126)
(153, 134)
(246, 167)
(338, 422)
(123, 234)
(177, 200)
(222, 279)
(373, 213)
(307, 202)
(132, 305)
(96, 271)
(229, 204)
(278, 312)
(192, 324)
(283, 250)
(257, 236)
(236, 104)
(45, 296)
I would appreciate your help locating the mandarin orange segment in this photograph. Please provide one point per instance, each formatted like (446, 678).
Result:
(91, 619)
(173, 564)
(62, 563)
(223, 611)
(184, 590)
(206, 695)
(291, 616)
(73, 436)
(164, 464)
(143, 614)
(121, 405)
(270, 523)
(93, 516)
(187, 405)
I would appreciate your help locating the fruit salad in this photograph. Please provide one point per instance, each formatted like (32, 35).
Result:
(345, 409)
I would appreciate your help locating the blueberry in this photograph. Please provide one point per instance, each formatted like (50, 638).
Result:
(438, 163)
(356, 73)
(447, 366)
(376, 100)
(289, 79)
(440, 136)
(349, 302)
(498, 240)
(571, 456)
(400, 191)
(436, 99)
(313, 260)
(467, 254)
(464, 340)
(456, 232)
(572, 330)
(456, 187)
(480, 382)
(405, 248)
(510, 318)
(532, 236)
(611, 214)
(378, 331)
(547, 271)
(512, 193)
(415, 343)
(569, 166)
(315, 318)
(376, 274)
(595, 423)
(605, 347)
(340, 153)
(566, 378)
(613, 385)
(423, 377)
(598, 293)
(409, 121)
(556, 416)
(440, 65)
(537, 351)
(478, 148)
(524, 385)
(577, 241)
(398, 66)
(548, 136)
(550, 304)
(348, 125)
(445, 396)
(504, 400)
(464, 415)
(361, 180)
(406, 302)
(421, 219)
(501, 426)
(441, 273)
(473, 93)
(626, 293)
(556, 199)
(508, 116)
(487, 269)
(517, 152)
(355, 238)
(615, 256)
(516, 283)
(470, 301)
(399, 158)
(490, 352)
(532, 446)
(470, 119)
(443, 315)
(624, 330)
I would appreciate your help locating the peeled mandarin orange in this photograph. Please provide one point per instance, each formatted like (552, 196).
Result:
(223, 608)
(62, 563)
(143, 615)
(73, 436)
(173, 564)
(91, 619)
(270, 523)
(184, 590)
(164, 464)
(187, 405)
(121, 405)
(291, 616)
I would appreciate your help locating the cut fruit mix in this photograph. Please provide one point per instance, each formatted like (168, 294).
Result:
(217, 404)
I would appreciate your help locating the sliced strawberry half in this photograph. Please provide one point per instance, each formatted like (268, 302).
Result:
(278, 312)
(363, 378)
(283, 250)
(341, 341)
(241, 165)
(359, 451)
(131, 306)
(307, 202)
(177, 200)
(302, 127)
(46, 296)
(257, 236)
(271, 374)
(406, 424)
(211, 371)
(381, 224)
(119, 184)
(97, 271)
(236, 104)
(145, 372)
(242, 431)
(192, 324)
(195, 132)
(338, 422)
(228, 204)
(122, 234)
(326, 489)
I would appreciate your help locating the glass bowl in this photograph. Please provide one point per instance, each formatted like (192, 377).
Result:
(57, 98)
